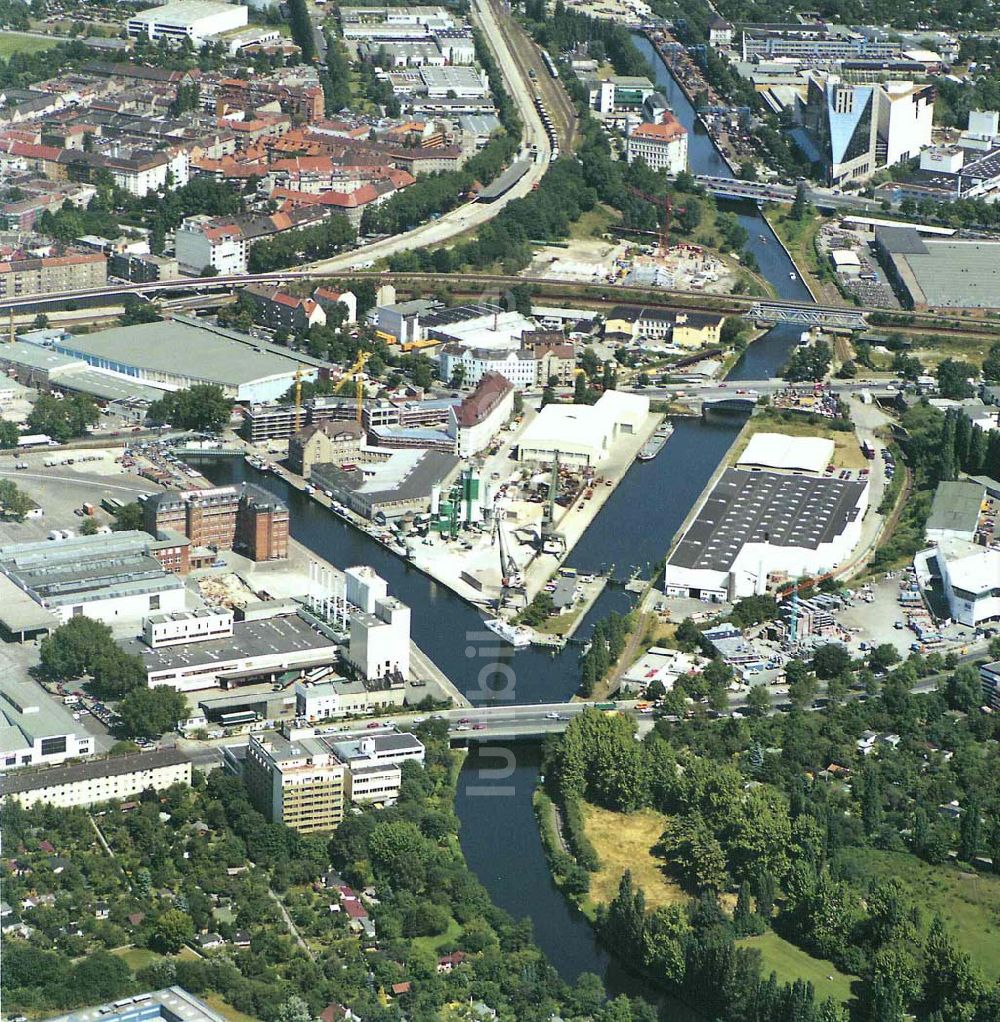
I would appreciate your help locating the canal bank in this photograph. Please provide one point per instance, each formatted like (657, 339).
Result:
(633, 529)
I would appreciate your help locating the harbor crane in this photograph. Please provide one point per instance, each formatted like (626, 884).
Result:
(355, 373)
(553, 542)
(666, 203)
(511, 579)
(793, 591)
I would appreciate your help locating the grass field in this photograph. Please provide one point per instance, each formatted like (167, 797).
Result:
(594, 222)
(14, 42)
(434, 944)
(624, 841)
(968, 902)
(139, 957)
(791, 963)
(799, 237)
(215, 1002)
(846, 455)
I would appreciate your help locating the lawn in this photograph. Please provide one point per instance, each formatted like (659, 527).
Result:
(216, 1003)
(137, 957)
(435, 944)
(792, 963)
(847, 453)
(594, 222)
(968, 902)
(15, 42)
(625, 841)
(799, 237)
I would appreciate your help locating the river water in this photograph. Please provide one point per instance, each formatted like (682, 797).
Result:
(498, 832)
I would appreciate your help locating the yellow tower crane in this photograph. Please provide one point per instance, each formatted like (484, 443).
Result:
(355, 373)
(298, 398)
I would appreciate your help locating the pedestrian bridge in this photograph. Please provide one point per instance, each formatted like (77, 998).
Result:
(807, 315)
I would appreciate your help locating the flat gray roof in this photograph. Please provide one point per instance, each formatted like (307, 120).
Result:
(67, 773)
(175, 1004)
(19, 613)
(765, 507)
(956, 507)
(276, 635)
(408, 476)
(952, 273)
(181, 347)
(28, 712)
(86, 567)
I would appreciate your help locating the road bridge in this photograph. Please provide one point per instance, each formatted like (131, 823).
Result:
(770, 191)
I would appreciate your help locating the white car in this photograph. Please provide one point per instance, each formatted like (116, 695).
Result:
(552, 716)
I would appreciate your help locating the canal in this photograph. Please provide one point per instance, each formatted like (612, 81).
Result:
(633, 529)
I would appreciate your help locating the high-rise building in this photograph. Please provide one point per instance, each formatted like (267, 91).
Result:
(853, 130)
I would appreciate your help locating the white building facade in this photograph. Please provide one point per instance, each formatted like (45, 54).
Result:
(662, 146)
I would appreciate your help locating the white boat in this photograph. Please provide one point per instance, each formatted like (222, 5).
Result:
(517, 637)
(792, 276)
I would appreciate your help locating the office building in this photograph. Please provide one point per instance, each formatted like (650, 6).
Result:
(661, 146)
(989, 675)
(298, 781)
(113, 578)
(583, 435)
(194, 20)
(853, 130)
(35, 729)
(187, 626)
(259, 651)
(374, 763)
(758, 524)
(97, 780)
(332, 441)
(170, 1005)
(338, 697)
(477, 420)
(970, 578)
(470, 365)
(242, 517)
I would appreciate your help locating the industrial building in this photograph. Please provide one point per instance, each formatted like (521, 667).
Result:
(194, 20)
(583, 435)
(243, 517)
(940, 272)
(282, 647)
(391, 488)
(35, 729)
(182, 351)
(115, 578)
(97, 780)
(303, 778)
(778, 451)
(337, 697)
(379, 648)
(757, 524)
(955, 511)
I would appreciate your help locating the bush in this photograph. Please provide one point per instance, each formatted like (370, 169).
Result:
(576, 836)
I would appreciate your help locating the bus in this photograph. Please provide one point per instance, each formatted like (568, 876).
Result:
(237, 717)
(112, 505)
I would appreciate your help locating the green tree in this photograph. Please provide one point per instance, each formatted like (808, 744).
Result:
(128, 517)
(202, 406)
(831, 660)
(148, 712)
(14, 502)
(9, 434)
(970, 830)
(758, 701)
(171, 931)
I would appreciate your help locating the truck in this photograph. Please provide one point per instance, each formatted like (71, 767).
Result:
(87, 508)
(36, 440)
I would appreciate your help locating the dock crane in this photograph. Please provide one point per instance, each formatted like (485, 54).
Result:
(555, 541)
(298, 398)
(511, 579)
(793, 591)
(668, 207)
(355, 373)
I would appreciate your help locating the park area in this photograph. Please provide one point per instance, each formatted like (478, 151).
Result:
(790, 963)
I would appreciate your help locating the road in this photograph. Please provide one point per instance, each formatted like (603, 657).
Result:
(733, 188)
(472, 214)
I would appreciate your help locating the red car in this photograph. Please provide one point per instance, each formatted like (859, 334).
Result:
(374, 723)
(479, 727)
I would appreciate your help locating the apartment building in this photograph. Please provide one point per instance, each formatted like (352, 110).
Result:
(70, 272)
(97, 780)
(279, 310)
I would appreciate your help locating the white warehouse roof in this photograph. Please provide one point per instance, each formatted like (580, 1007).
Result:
(797, 453)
